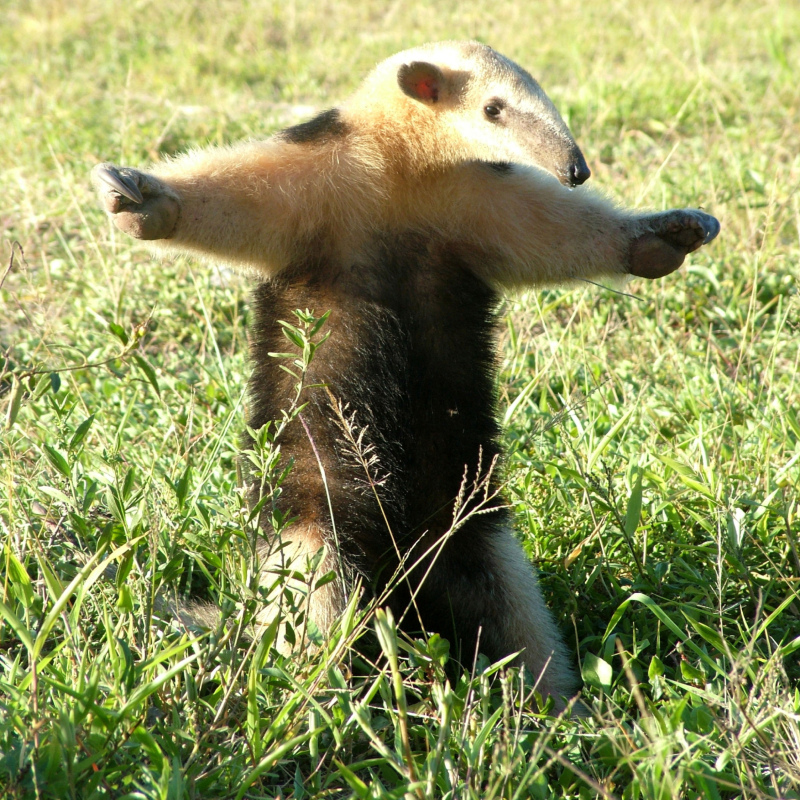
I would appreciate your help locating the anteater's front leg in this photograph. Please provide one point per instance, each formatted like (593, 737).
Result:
(253, 205)
(527, 229)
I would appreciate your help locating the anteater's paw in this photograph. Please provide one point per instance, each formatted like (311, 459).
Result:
(669, 237)
(140, 205)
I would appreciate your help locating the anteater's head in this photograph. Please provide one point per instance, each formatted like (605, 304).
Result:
(480, 104)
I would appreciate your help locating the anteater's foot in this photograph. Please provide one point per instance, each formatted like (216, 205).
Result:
(669, 237)
(140, 205)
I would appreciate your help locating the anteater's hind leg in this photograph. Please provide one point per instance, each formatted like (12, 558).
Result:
(523, 621)
(485, 592)
(290, 567)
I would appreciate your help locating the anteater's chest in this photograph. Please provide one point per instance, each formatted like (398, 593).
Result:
(410, 363)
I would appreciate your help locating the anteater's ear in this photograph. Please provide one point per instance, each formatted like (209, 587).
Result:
(421, 81)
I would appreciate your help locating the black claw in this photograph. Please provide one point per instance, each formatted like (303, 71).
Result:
(712, 228)
(121, 183)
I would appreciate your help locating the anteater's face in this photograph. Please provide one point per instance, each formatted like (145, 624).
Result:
(494, 108)
(507, 112)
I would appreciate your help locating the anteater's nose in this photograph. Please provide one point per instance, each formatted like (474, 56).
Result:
(579, 172)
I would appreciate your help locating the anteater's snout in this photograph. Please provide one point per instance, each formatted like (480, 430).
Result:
(578, 171)
(574, 170)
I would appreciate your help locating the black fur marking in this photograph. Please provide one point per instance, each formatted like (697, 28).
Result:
(501, 167)
(411, 356)
(321, 129)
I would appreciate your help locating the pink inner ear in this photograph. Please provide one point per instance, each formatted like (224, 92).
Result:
(427, 89)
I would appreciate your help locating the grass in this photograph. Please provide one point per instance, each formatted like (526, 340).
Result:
(654, 441)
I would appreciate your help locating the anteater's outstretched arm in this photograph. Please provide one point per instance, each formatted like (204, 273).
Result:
(256, 205)
(528, 229)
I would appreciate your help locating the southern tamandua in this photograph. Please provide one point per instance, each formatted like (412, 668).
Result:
(446, 178)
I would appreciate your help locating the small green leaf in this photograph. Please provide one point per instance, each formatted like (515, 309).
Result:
(677, 466)
(20, 580)
(387, 632)
(39, 387)
(124, 569)
(55, 381)
(294, 335)
(538, 787)
(656, 668)
(692, 674)
(758, 180)
(181, 486)
(634, 512)
(56, 494)
(703, 778)
(149, 372)
(652, 605)
(149, 745)
(128, 484)
(119, 332)
(54, 585)
(328, 577)
(688, 476)
(787, 649)
(17, 626)
(597, 672)
(125, 599)
(605, 441)
(318, 324)
(791, 419)
(80, 432)
(710, 635)
(15, 402)
(57, 460)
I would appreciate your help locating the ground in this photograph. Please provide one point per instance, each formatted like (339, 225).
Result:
(653, 430)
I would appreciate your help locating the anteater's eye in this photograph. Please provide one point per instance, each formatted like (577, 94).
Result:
(492, 110)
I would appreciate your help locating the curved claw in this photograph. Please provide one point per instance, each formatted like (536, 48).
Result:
(712, 228)
(119, 182)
